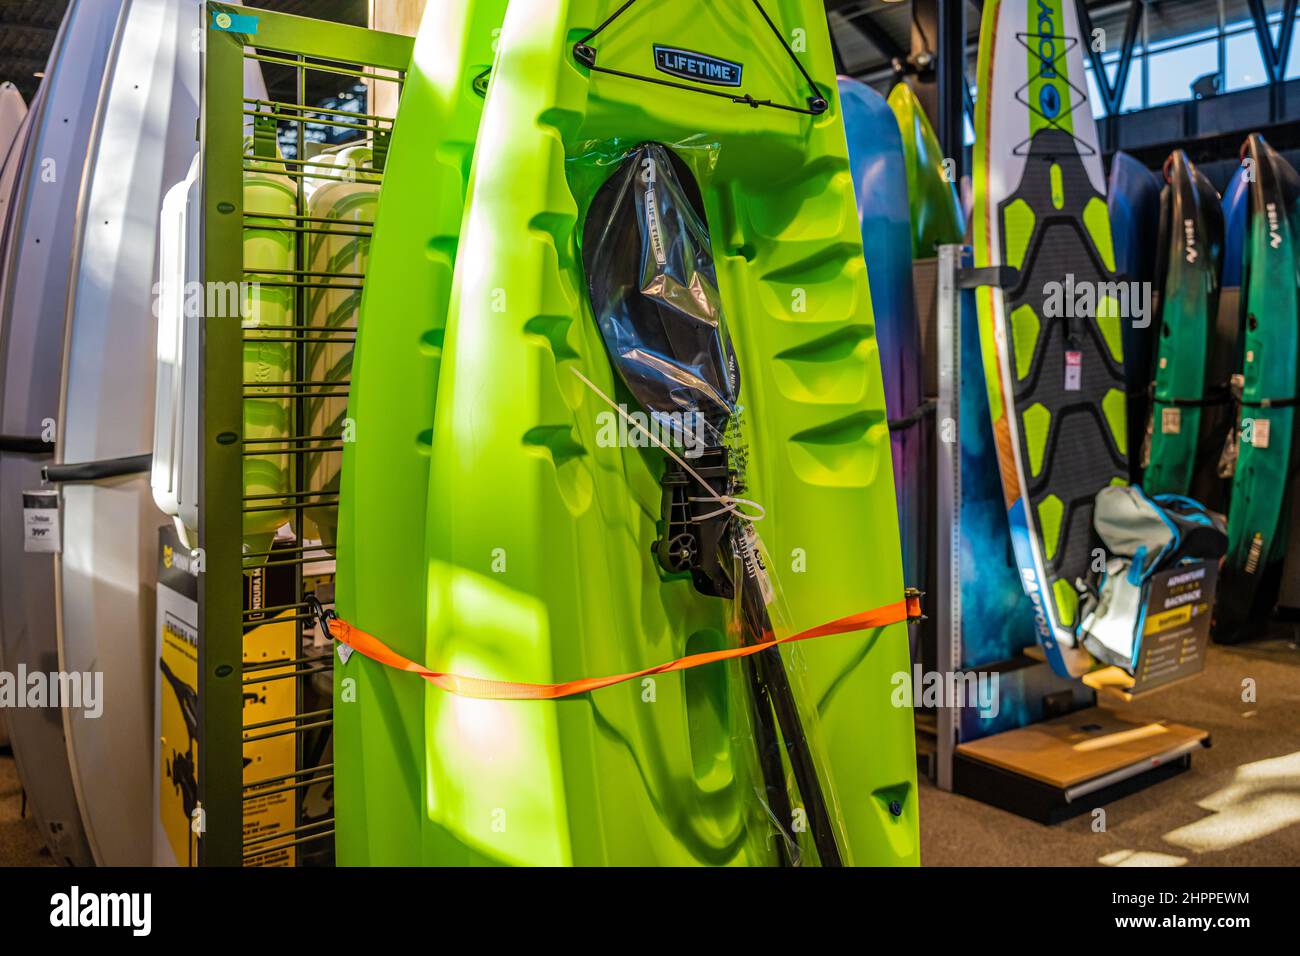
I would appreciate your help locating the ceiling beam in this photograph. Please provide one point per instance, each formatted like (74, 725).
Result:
(15, 26)
(838, 54)
(862, 21)
(1274, 55)
(20, 70)
(1112, 94)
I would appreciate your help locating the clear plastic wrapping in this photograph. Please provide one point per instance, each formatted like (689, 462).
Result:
(654, 295)
(666, 333)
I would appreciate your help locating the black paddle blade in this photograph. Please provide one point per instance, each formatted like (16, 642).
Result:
(654, 289)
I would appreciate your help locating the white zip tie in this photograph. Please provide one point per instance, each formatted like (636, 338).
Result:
(728, 502)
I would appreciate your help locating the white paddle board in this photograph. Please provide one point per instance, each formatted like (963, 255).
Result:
(1054, 369)
(33, 300)
(144, 142)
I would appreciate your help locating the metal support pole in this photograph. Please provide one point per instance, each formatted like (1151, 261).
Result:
(947, 449)
(952, 82)
(220, 650)
(939, 57)
(1274, 55)
(1112, 94)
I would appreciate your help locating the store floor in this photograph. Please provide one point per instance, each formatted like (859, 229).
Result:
(1238, 805)
(20, 842)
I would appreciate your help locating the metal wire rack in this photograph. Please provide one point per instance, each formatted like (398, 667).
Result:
(302, 389)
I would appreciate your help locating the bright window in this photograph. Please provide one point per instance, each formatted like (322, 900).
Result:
(1172, 72)
(1132, 99)
(1245, 64)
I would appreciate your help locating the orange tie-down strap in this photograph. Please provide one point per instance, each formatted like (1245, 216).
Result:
(482, 689)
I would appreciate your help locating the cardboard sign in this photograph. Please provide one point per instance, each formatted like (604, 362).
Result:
(268, 637)
(176, 758)
(1176, 630)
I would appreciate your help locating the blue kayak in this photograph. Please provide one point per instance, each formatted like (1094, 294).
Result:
(1134, 201)
(880, 184)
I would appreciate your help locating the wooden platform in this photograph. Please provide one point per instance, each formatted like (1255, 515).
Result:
(1117, 684)
(1044, 770)
(1113, 682)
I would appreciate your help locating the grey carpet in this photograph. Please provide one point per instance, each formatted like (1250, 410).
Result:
(1238, 805)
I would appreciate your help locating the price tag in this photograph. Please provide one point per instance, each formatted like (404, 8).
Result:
(1171, 421)
(1073, 371)
(1259, 434)
(41, 531)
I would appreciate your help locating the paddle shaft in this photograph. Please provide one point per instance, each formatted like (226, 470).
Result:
(776, 688)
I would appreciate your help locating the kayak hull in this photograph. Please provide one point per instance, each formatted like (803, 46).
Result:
(543, 572)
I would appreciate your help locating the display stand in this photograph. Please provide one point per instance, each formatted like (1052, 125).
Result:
(1038, 744)
(252, 591)
(1045, 771)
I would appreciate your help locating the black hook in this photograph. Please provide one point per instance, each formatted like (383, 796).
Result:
(320, 613)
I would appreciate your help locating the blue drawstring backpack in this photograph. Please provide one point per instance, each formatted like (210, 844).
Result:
(1142, 537)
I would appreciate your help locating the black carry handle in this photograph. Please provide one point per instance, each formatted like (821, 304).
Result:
(26, 445)
(98, 470)
(999, 277)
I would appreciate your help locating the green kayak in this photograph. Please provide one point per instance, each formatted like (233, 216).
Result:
(552, 562)
(932, 194)
(379, 753)
(1191, 412)
(1266, 462)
